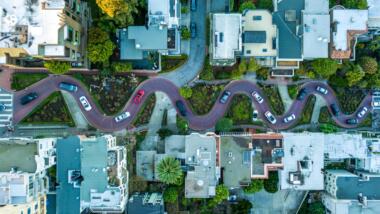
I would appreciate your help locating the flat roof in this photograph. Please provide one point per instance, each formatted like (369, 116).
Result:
(254, 37)
(136, 204)
(317, 7)
(152, 38)
(145, 164)
(10, 157)
(373, 13)
(316, 35)
(368, 188)
(226, 33)
(342, 145)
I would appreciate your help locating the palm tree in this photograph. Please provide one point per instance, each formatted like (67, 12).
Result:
(169, 171)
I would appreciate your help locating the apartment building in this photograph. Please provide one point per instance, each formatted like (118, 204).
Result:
(23, 174)
(32, 31)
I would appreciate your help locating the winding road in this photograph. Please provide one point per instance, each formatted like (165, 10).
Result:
(197, 122)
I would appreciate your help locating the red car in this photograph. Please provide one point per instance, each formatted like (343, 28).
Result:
(139, 95)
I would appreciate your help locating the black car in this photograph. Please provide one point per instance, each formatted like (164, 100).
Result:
(352, 121)
(193, 5)
(193, 30)
(335, 110)
(302, 94)
(223, 99)
(181, 107)
(28, 98)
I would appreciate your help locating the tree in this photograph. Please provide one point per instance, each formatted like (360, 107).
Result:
(265, 4)
(182, 125)
(119, 9)
(324, 67)
(169, 171)
(255, 186)
(57, 67)
(355, 75)
(186, 92)
(368, 64)
(220, 195)
(247, 5)
(100, 47)
(241, 111)
(271, 184)
(355, 4)
(164, 132)
(224, 125)
(316, 208)
(242, 207)
(121, 66)
(252, 65)
(241, 69)
(171, 194)
(185, 33)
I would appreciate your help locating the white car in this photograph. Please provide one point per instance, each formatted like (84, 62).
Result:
(86, 105)
(255, 115)
(270, 117)
(376, 103)
(362, 112)
(122, 116)
(289, 118)
(257, 96)
(322, 90)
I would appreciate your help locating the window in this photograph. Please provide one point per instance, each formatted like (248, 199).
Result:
(248, 51)
(265, 50)
(257, 18)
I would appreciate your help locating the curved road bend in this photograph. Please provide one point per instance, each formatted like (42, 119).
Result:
(197, 122)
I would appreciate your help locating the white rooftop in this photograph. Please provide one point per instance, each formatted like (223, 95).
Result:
(298, 147)
(347, 20)
(317, 7)
(342, 145)
(373, 13)
(316, 36)
(163, 12)
(226, 35)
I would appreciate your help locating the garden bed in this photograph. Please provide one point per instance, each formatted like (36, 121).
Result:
(274, 98)
(52, 110)
(110, 94)
(204, 97)
(22, 80)
(145, 112)
(307, 111)
(240, 110)
(349, 99)
(170, 63)
(325, 116)
(293, 91)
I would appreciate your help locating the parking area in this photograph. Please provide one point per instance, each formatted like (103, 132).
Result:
(6, 107)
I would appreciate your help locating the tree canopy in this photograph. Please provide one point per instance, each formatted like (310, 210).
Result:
(186, 92)
(171, 194)
(242, 207)
(324, 67)
(100, 47)
(220, 195)
(57, 67)
(255, 186)
(169, 171)
(271, 184)
(368, 64)
(122, 10)
(354, 75)
(247, 5)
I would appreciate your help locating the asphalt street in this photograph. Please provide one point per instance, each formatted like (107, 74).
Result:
(107, 123)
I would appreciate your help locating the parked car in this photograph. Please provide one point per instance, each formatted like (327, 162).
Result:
(335, 110)
(301, 94)
(255, 115)
(181, 107)
(122, 116)
(139, 95)
(321, 90)
(193, 29)
(193, 5)
(223, 99)
(28, 98)
(376, 103)
(86, 105)
(289, 118)
(257, 97)
(362, 112)
(270, 117)
(352, 121)
(68, 86)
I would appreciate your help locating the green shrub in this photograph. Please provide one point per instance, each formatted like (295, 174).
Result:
(247, 5)
(57, 67)
(185, 33)
(185, 92)
(171, 194)
(164, 132)
(121, 66)
(368, 64)
(271, 184)
(255, 186)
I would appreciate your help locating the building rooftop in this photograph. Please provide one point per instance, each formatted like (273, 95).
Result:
(303, 161)
(163, 12)
(10, 157)
(287, 17)
(145, 164)
(369, 188)
(373, 13)
(226, 33)
(147, 203)
(316, 34)
(342, 145)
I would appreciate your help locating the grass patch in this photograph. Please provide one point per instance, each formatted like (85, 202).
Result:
(52, 110)
(145, 112)
(204, 97)
(170, 63)
(23, 80)
(307, 111)
(274, 98)
(293, 91)
(240, 110)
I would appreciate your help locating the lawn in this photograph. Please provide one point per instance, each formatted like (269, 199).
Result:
(170, 63)
(23, 80)
(52, 110)
(204, 97)
(307, 111)
(110, 94)
(273, 96)
(293, 91)
(240, 110)
(145, 112)
(349, 99)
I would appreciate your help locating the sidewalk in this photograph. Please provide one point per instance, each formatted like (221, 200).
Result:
(76, 113)
(284, 94)
(319, 103)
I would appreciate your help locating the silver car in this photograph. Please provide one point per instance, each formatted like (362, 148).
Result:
(86, 105)
(289, 118)
(270, 117)
(322, 90)
(362, 112)
(122, 116)
(257, 96)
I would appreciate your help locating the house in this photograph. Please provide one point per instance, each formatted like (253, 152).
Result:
(347, 192)
(199, 159)
(244, 158)
(346, 24)
(316, 29)
(91, 175)
(226, 44)
(147, 203)
(6, 107)
(259, 36)
(303, 161)
(51, 29)
(374, 15)
(160, 34)
(23, 174)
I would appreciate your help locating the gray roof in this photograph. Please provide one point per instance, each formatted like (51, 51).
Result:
(10, 157)
(136, 205)
(127, 47)
(254, 37)
(68, 158)
(368, 188)
(289, 44)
